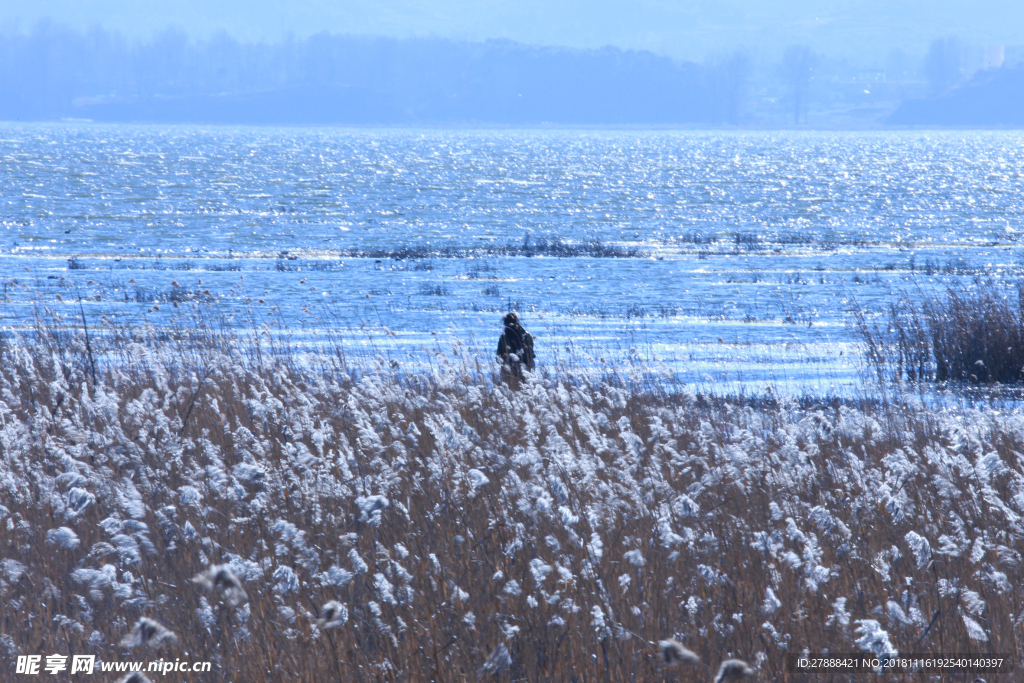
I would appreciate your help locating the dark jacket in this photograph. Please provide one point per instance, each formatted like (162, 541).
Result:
(518, 341)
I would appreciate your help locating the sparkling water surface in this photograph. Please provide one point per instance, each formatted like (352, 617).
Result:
(733, 257)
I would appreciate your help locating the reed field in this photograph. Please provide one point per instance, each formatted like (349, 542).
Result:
(447, 524)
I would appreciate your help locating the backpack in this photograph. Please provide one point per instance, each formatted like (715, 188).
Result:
(528, 350)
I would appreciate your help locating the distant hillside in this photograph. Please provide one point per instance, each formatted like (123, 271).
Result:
(690, 29)
(992, 98)
(340, 79)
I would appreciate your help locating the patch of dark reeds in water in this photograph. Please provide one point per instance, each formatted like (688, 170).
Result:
(478, 270)
(175, 294)
(224, 267)
(971, 334)
(528, 247)
(631, 311)
(435, 290)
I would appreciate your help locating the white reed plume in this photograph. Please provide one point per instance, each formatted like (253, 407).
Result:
(370, 508)
(498, 661)
(733, 670)
(148, 632)
(64, 537)
(332, 614)
(136, 677)
(221, 578)
(674, 653)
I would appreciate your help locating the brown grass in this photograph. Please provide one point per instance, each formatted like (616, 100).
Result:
(973, 334)
(722, 499)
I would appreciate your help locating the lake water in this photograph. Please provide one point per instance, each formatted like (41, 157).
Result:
(734, 257)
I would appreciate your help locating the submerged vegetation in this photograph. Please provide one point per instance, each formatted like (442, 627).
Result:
(190, 491)
(528, 247)
(971, 334)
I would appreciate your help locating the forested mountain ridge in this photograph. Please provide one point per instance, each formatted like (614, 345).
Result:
(54, 72)
(350, 79)
(684, 29)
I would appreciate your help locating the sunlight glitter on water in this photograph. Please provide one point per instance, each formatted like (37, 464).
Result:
(730, 255)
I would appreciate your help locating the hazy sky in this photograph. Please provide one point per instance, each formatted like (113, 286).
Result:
(690, 29)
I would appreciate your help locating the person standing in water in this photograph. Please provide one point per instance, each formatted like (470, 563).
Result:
(515, 347)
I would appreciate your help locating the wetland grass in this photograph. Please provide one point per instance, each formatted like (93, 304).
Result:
(367, 524)
(970, 334)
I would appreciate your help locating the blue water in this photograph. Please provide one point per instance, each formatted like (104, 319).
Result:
(744, 252)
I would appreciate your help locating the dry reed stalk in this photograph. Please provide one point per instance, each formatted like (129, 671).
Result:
(974, 334)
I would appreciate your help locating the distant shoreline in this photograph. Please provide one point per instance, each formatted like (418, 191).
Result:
(538, 127)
